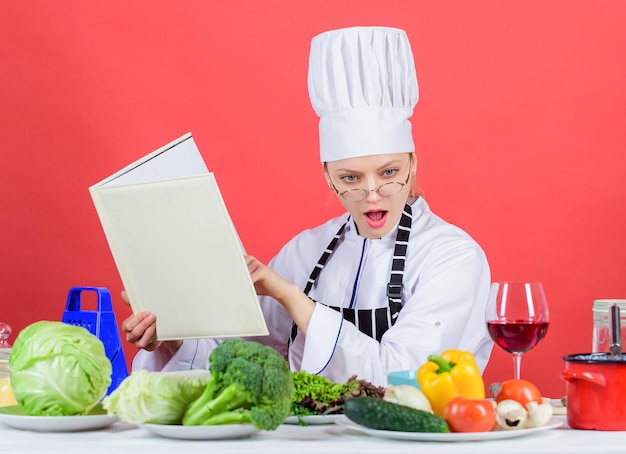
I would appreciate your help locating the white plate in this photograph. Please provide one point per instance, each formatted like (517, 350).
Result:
(457, 436)
(312, 420)
(223, 431)
(11, 416)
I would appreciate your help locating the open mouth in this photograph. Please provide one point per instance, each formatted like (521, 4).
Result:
(375, 215)
(376, 218)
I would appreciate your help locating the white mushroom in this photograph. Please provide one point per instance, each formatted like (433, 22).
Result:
(510, 415)
(409, 396)
(538, 415)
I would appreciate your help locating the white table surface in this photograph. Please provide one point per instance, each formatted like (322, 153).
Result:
(121, 438)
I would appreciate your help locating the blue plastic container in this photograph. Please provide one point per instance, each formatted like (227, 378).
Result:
(403, 377)
(102, 324)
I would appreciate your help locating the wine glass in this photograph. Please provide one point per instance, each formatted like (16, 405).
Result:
(517, 318)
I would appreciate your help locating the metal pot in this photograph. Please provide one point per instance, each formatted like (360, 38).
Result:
(596, 391)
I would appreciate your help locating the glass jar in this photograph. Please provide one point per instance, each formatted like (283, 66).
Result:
(601, 342)
(6, 393)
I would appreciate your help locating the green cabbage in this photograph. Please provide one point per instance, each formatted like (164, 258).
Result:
(156, 397)
(58, 369)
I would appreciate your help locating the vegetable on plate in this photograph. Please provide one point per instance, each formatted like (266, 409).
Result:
(519, 405)
(250, 383)
(512, 415)
(57, 369)
(156, 397)
(318, 395)
(383, 415)
(454, 373)
(408, 396)
(470, 415)
(522, 391)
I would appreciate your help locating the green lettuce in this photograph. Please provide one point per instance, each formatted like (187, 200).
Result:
(318, 395)
(58, 369)
(156, 397)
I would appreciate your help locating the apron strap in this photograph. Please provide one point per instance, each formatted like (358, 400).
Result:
(395, 286)
(324, 258)
(317, 270)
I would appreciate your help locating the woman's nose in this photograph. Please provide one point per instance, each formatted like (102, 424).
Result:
(372, 194)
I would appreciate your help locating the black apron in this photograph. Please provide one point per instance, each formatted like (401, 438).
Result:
(373, 322)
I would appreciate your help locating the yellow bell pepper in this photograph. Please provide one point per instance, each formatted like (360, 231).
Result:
(454, 373)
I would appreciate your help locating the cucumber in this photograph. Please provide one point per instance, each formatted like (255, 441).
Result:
(383, 415)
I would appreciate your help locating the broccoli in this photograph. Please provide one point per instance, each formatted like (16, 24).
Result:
(250, 383)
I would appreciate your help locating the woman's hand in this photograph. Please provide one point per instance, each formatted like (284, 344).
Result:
(268, 282)
(140, 330)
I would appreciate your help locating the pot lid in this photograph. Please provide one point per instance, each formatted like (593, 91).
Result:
(594, 358)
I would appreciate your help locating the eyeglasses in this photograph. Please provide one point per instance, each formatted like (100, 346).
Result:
(384, 190)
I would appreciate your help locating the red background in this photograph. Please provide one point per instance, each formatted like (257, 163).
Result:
(520, 130)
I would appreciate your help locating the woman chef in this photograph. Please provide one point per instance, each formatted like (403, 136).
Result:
(383, 286)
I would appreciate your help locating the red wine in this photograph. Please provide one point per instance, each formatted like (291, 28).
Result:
(517, 337)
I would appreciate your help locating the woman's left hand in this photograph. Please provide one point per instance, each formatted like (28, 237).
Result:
(268, 282)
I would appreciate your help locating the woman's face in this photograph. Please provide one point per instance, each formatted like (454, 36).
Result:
(377, 213)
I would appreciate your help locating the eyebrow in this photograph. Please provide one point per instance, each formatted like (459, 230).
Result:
(393, 162)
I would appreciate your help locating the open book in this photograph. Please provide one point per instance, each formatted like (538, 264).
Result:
(175, 246)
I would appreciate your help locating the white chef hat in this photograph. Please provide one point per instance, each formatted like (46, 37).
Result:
(363, 86)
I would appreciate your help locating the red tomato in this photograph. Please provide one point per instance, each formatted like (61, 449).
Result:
(470, 415)
(521, 391)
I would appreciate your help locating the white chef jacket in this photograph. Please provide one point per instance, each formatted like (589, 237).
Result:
(446, 284)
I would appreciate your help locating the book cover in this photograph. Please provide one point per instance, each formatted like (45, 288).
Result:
(175, 246)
